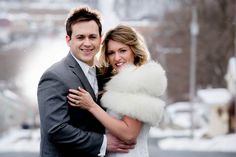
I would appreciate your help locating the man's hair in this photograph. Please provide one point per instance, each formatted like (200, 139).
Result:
(82, 14)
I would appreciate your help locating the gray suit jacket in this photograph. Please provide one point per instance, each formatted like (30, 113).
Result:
(66, 131)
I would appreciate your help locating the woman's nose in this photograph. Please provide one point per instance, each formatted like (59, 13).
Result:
(117, 56)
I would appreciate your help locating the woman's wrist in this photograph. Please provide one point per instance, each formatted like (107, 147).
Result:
(93, 107)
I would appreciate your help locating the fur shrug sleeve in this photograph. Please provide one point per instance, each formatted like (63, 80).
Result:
(135, 92)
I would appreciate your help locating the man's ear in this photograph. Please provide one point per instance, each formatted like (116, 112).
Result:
(68, 40)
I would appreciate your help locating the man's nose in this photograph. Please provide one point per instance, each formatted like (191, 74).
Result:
(87, 42)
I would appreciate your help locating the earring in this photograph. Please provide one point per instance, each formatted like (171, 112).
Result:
(114, 71)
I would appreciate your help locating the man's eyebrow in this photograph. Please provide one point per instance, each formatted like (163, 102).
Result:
(94, 34)
(79, 35)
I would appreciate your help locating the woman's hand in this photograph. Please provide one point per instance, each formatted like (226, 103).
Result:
(80, 98)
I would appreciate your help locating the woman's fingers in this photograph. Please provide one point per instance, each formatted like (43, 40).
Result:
(74, 97)
(74, 101)
(77, 104)
(82, 90)
(78, 97)
(74, 91)
(72, 104)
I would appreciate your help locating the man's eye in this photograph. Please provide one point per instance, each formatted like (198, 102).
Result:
(80, 37)
(93, 37)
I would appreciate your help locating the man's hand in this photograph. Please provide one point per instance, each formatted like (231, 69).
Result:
(116, 145)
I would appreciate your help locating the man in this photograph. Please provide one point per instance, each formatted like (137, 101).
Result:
(67, 131)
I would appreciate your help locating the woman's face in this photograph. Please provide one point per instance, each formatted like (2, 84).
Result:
(119, 54)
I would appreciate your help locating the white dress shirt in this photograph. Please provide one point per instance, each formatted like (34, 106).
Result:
(90, 73)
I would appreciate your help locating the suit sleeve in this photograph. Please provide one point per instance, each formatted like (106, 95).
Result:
(53, 108)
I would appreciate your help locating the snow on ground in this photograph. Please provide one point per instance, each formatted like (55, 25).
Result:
(168, 139)
(18, 140)
(218, 96)
(180, 140)
(224, 143)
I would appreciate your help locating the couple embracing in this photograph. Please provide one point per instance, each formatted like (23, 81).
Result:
(105, 110)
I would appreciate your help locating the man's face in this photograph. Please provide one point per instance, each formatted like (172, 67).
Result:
(85, 41)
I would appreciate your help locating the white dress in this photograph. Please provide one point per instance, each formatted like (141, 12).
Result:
(141, 147)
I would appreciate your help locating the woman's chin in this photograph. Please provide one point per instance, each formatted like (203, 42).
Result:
(119, 68)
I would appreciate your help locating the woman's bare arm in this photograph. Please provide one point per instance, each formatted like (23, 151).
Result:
(127, 128)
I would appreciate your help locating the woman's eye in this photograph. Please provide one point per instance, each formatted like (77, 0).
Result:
(123, 51)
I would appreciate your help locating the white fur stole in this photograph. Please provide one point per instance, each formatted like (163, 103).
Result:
(135, 92)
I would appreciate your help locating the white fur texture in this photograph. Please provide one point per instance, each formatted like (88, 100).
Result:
(135, 92)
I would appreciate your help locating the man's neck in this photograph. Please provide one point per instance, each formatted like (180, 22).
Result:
(81, 62)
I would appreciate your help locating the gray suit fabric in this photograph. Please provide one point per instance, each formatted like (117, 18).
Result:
(66, 131)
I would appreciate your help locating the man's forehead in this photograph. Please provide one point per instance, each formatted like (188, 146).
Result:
(85, 28)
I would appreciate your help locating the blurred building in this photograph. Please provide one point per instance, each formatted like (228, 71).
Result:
(138, 10)
(5, 25)
(217, 102)
(230, 76)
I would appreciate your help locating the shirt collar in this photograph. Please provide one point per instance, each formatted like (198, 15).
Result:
(85, 67)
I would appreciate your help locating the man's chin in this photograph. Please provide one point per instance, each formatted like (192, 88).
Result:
(89, 60)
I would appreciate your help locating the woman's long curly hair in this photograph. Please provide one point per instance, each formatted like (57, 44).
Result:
(128, 36)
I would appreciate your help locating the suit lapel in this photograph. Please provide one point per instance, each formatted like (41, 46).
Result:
(76, 69)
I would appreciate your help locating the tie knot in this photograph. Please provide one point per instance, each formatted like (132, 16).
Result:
(92, 79)
(92, 71)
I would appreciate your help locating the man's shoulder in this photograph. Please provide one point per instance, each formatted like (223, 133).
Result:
(56, 68)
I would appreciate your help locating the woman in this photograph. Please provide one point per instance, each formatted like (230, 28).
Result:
(132, 95)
